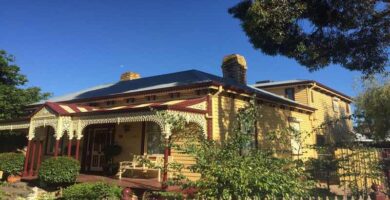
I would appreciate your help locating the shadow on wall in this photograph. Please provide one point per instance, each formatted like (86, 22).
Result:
(337, 128)
(272, 124)
(273, 129)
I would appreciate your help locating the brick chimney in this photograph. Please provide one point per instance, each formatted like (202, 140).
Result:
(127, 76)
(234, 67)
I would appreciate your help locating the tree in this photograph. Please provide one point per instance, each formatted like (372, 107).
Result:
(13, 93)
(373, 109)
(234, 168)
(352, 33)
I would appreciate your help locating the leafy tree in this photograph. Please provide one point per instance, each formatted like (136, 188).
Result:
(13, 93)
(234, 168)
(359, 168)
(373, 109)
(323, 168)
(352, 33)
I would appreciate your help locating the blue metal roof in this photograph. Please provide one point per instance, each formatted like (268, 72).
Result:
(183, 78)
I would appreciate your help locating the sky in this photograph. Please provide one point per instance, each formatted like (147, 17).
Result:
(67, 45)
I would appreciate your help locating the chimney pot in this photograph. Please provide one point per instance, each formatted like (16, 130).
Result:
(234, 67)
(127, 76)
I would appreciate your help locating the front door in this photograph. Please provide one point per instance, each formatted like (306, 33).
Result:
(99, 138)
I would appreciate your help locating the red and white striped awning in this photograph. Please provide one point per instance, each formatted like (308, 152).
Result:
(197, 105)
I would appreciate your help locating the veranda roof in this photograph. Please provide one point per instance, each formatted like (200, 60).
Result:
(190, 105)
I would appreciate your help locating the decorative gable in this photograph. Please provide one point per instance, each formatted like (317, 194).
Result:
(45, 112)
(199, 106)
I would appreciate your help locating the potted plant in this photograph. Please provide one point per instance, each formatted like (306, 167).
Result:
(110, 152)
(12, 165)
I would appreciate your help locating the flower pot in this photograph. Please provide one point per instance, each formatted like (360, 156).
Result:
(13, 178)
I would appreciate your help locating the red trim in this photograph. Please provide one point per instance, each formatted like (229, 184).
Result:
(190, 102)
(187, 109)
(31, 172)
(56, 148)
(77, 149)
(25, 171)
(39, 154)
(69, 147)
(209, 119)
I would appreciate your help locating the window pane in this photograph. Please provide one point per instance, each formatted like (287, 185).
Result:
(154, 140)
(289, 93)
(295, 143)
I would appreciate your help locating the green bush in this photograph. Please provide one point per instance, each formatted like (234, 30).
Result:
(60, 171)
(92, 191)
(11, 163)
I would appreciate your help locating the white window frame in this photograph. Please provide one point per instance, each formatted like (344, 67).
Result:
(336, 104)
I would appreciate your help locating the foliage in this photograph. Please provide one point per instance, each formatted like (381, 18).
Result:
(373, 109)
(353, 33)
(326, 165)
(11, 163)
(13, 93)
(359, 168)
(92, 191)
(59, 171)
(235, 168)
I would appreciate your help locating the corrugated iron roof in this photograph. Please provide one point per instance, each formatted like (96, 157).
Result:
(183, 78)
(298, 81)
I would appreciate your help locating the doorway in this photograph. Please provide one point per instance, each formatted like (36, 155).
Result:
(97, 139)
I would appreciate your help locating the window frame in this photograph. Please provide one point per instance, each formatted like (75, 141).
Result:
(286, 95)
(312, 96)
(336, 104)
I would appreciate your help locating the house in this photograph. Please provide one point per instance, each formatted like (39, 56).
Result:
(330, 105)
(81, 124)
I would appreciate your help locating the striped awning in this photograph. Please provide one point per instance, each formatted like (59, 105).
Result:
(190, 105)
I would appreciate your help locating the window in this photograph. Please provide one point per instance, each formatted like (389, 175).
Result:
(110, 103)
(347, 107)
(93, 104)
(130, 100)
(312, 96)
(151, 98)
(336, 104)
(295, 146)
(174, 95)
(202, 92)
(289, 93)
(320, 140)
(154, 139)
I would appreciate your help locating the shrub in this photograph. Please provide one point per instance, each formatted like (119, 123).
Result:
(92, 191)
(59, 171)
(11, 163)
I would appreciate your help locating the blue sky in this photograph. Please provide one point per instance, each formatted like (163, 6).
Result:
(68, 45)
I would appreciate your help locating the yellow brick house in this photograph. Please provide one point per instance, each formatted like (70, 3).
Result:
(81, 124)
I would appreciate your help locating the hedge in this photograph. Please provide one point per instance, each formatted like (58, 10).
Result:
(11, 163)
(60, 171)
(92, 191)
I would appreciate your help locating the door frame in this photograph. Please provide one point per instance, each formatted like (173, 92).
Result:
(88, 132)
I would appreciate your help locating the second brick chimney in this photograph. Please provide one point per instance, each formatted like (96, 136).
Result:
(234, 67)
(127, 76)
